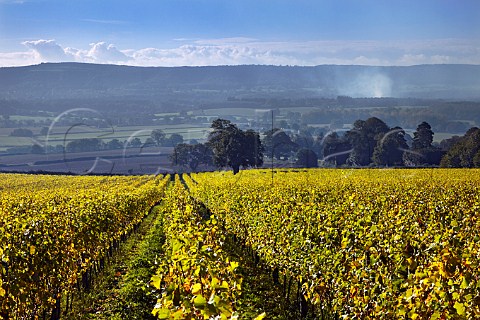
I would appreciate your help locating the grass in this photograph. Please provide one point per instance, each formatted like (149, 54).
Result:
(235, 112)
(259, 293)
(123, 133)
(8, 141)
(34, 118)
(122, 290)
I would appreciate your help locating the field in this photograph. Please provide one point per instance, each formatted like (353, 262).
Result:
(283, 244)
(61, 135)
(151, 160)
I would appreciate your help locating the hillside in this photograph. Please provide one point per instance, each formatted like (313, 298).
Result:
(53, 84)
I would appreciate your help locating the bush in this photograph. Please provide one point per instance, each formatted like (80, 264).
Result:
(21, 132)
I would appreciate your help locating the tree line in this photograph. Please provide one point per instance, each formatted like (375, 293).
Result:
(157, 138)
(369, 143)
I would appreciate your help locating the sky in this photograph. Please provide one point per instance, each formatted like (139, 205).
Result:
(232, 32)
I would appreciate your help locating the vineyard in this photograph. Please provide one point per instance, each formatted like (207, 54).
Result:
(353, 244)
(55, 229)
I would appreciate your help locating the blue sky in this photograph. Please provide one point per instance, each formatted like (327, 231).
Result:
(218, 32)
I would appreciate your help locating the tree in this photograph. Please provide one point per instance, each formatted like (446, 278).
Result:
(219, 141)
(447, 144)
(191, 155)
(423, 152)
(173, 140)
(114, 144)
(412, 158)
(136, 142)
(233, 147)
(423, 137)
(37, 149)
(158, 136)
(465, 153)
(21, 132)
(363, 138)
(304, 139)
(317, 146)
(336, 149)
(84, 145)
(390, 148)
(44, 131)
(253, 149)
(278, 144)
(307, 158)
(283, 124)
(149, 142)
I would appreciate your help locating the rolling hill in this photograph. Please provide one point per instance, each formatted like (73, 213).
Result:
(51, 84)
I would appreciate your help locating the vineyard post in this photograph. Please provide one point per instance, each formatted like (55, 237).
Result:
(272, 147)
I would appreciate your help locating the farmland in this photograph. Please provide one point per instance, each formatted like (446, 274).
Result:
(43, 118)
(327, 243)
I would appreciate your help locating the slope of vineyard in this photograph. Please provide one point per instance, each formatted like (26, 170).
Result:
(361, 243)
(55, 228)
(357, 243)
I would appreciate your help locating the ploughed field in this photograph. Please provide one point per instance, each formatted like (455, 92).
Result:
(352, 243)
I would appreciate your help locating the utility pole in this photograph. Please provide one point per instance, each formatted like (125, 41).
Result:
(272, 146)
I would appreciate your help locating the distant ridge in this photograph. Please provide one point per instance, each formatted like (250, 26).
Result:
(54, 81)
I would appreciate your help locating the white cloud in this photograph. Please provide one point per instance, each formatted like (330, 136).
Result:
(101, 52)
(242, 50)
(412, 59)
(192, 55)
(16, 59)
(51, 51)
(47, 50)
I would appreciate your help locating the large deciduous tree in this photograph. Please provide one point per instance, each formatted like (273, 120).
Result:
(422, 151)
(191, 155)
(336, 150)
(252, 149)
(363, 138)
(233, 147)
(158, 136)
(465, 153)
(307, 158)
(390, 148)
(173, 140)
(278, 144)
(423, 137)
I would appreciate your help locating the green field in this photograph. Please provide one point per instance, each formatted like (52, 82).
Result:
(61, 135)
(31, 118)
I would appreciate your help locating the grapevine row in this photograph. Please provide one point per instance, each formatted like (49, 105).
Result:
(361, 243)
(195, 279)
(53, 229)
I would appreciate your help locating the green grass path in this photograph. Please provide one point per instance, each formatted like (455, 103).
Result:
(122, 289)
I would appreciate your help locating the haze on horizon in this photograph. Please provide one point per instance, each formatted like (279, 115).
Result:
(218, 32)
